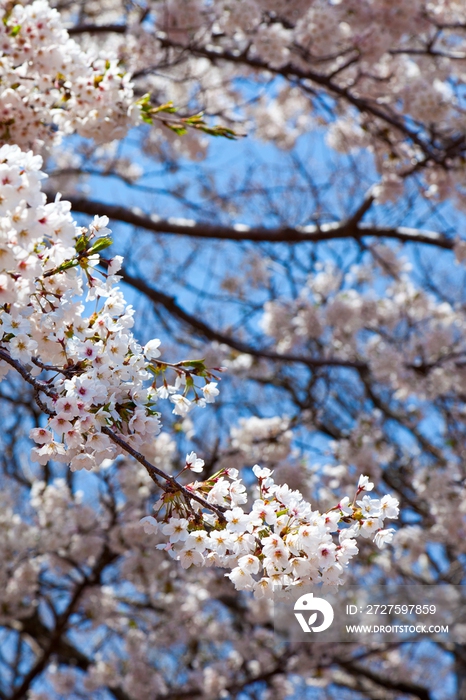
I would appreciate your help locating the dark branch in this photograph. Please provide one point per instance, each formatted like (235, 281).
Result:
(293, 72)
(400, 686)
(172, 483)
(97, 29)
(351, 228)
(36, 383)
(209, 333)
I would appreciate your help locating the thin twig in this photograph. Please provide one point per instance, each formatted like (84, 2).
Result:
(36, 383)
(174, 485)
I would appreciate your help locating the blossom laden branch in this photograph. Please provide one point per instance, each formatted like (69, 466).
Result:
(281, 535)
(101, 400)
(171, 485)
(101, 376)
(281, 541)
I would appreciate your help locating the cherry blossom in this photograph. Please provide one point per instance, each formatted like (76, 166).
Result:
(280, 542)
(339, 321)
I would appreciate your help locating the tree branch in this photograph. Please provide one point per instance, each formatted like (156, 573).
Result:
(291, 71)
(407, 687)
(61, 623)
(97, 29)
(350, 228)
(171, 483)
(211, 334)
(36, 383)
(66, 652)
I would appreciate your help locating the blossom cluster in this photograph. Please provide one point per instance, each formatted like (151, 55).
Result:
(95, 374)
(345, 317)
(51, 87)
(396, 69)
(281, 541)
(96, 383)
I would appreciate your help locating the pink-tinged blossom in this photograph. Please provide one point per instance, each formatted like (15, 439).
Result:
(241, 579)
(263, 588)
(219, 491)
(189, 557)
(194, 463)
(22, 347)
(389, 507)
(182, 405)
(60, 424)
(364, 484)
(219, 541)
(238, 493)
(50, 450)
(73, 438)
(41, 435)
(266, 511)
(369, 526)
(261, 472)
(115, 264)
(369, 506)
(249, 563)
(82, 461)
(196, 540)
(68, 408)
(344, 506)
(98, 226)
(237, 520)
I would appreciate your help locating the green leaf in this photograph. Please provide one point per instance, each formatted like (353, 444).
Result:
(101, 244)
(167, 107)
(151, 412)
(144, 100)
(180, 130)
(66, 265)
(155, 370)
(222, 131)
(195, 119)
(14, 31)
(193, 363)
(81, 244)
